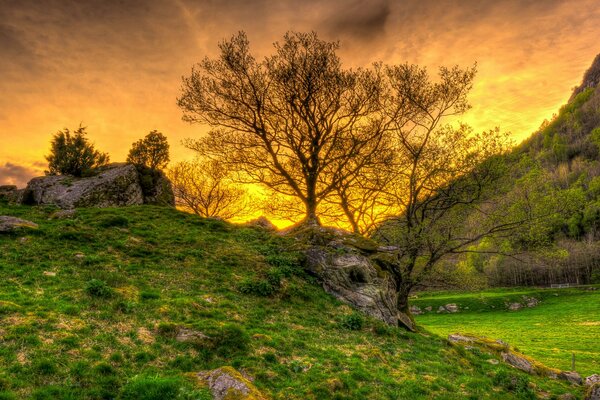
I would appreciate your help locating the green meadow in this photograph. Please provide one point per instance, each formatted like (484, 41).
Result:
(90, 307)
(565, 322)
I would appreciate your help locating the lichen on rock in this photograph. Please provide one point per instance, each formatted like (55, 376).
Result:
(226, 383)
(350, 268)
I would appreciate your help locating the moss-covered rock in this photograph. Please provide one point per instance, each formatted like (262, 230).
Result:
(10, 224)
(226, 383)
(350, 268)
(514, 358)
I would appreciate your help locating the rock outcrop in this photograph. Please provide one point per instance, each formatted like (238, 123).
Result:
(591, 79)
(227, 383)
(10, 193)
(514, 358)
(593, 393)
(592, 380)
(350, 268)
(449, 308)
(6, 191)
(114, 186)
(10, 224)
(156, 187)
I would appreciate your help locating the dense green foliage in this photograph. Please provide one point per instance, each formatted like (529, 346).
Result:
(151, 152)
(62, 338)
(72, 154)
(554, 176)
(566, 321)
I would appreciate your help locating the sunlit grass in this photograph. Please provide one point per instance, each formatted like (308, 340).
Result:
(88, 307)
(566, 321)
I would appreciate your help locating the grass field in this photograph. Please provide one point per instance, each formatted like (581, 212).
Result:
(566, 321)
(89, 306)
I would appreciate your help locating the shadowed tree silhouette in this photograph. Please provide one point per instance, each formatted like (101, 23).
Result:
(151, 152)
(72, 154)
(292, 122)
(204, 188)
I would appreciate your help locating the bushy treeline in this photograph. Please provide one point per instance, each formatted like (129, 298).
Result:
(556, 173)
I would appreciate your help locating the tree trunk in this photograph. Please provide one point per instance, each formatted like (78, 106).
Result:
(405, 318)
(311, 213)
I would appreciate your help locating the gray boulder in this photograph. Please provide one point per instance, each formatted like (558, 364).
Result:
(458, 338)
(227, 383)
(592, 380)
(191, 336)
(350, 268)
(11, 224)
(262, 222)
(518, 362)
(63, 214)
(10, 193)
(593, 393)
(416, 310)
(6, 191)
(515, 306)
(570, 376)
(114, 186)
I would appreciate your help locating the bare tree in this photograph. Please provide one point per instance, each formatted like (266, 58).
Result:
(442, 175)
(204, 188)
(292, 122)
(360, 199)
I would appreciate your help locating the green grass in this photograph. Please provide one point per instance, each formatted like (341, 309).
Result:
(90, 307)
(566, 321)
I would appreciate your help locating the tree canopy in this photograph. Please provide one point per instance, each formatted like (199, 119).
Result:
(151, 152)
(296, 122)
(379, 147)
(72, 154)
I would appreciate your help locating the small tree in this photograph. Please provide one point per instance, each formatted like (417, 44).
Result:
(150, 152)
(72, 154)
(204, 188)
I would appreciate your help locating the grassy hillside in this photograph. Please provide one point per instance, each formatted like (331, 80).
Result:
(566, 321)
(554, 177)
(89, 307)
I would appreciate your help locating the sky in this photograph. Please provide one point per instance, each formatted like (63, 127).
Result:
(115, 66)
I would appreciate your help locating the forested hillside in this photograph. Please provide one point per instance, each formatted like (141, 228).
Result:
(555, 175)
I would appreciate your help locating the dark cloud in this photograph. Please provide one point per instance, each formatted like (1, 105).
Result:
(358, 20)
(12, 174)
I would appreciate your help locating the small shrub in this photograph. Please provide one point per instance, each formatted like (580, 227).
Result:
(270, 358)
(258, 287)
(44, 366)
(515, 383)
(104, 369)
(149, 295)
(230, 340)
(353, 322)
(167, 329)
(151, 152)
(152, 388)
(109, 221)
(382, 329)
(124, 306)
(117, 357)
(4, 395)
(98, 288)
(53, 393)
(72, 154)
(144, 357)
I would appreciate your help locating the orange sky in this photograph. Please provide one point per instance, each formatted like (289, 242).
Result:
(116, 66)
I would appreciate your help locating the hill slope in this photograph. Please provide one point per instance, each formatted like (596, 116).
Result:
(90, 307)
(555, 176)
